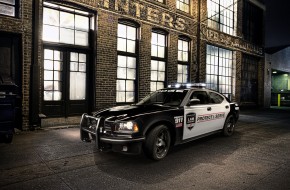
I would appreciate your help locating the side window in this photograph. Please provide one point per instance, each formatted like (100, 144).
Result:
(215, 98)
(201, 95)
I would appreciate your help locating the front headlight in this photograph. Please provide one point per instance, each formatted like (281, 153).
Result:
(127, 126)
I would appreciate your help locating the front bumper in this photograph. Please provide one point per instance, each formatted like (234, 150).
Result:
(104, 141)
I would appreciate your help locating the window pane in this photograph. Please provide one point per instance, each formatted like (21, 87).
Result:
(154, 50)
(48, 54)
(152, 86)
(81, 38)
(122, 30)
(131, 62)
(129, 85)
(57, 75)
(131, 73)
(154, 75)
(48, 75)
(161, 66)
(48, 65)
(131, 33)
(121, 44)
(82, 57)
(82, 67)
(161, 40)
(121, 73)
(7, 10)
(67, 20)
(56, 95)
(161, 52)
(77, 86)
(131, 46)
(47, 95)
(154, 38)
(130, 97)
(161, 76)
(50, 17)
(57, 66)
(74, 66)
(154, 65)
(48, 85)
(122, 61)
(50, 33)
(121, 85)
(66, 36)
(57, 86)
(121, 97)
(82, 23)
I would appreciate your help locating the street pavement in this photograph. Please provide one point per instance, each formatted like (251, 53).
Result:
(257, 156)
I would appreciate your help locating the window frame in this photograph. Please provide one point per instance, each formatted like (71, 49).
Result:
(16, 9)
(159, 59)
(181, 62)
(221, 13)
(221, 61)
(128, 54)
(180, 3)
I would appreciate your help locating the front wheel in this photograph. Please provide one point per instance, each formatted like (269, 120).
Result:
(157, 143)
(229, 126)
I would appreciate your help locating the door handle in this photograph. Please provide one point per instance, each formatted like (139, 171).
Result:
(209, 109)
(227, 107)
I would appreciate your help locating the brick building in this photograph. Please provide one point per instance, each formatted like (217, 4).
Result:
(69, 57)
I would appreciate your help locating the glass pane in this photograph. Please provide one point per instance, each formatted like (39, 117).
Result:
(121, 85)
(121, 44)
(154, 65)
(122, 30)
(154, 50)
(161, 66)
(185, 46)
(73, 66)
(66, 36)
(82, 67)
(121, 97)
(82, 57)
(48, 65)
(57, 75)
(57, 55)
(152, 86)
(57, 66)
(66, 20)
(81, 38)
(131, 73)
(48, 54)
(154, 38)
(161, 51)
(130, 97)
(7, 10)
(122, 61)
(179, 55)
(121, 73)
(47, 95)
(131, 62)
(180, 45)
(131, 33)
(131, 46)
(77, 86)
(161, 40)
(11, 2)
(185, 56)
(57, 95)
(160, 85)
(129, 85)
(50, 33)
(179, 78)
(74, 56)
(153, 75)
(82, 23)
(57, 86)
(50, 17)
(48, 85)
(48, 75)
(161, 76)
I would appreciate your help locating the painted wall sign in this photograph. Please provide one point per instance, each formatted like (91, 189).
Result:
(230, 41)
(147, 12)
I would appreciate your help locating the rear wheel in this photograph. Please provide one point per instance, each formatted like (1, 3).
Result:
(229, 126)
(157, 143)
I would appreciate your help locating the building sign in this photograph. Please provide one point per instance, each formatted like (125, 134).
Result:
(147, 12)
(230, 41)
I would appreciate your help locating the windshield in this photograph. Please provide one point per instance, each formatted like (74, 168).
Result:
(170, 97)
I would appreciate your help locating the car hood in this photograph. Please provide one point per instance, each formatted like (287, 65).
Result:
(129, 111)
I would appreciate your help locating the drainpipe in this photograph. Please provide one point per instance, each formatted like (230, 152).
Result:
(198, 42)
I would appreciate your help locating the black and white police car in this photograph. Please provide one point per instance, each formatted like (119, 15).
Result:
(164, 118)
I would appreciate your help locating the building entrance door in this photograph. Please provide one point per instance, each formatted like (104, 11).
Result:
(10, 82)
(65, 82)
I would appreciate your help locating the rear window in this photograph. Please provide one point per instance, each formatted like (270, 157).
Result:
(215, 98)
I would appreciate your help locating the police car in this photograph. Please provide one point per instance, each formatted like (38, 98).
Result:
(164, 118)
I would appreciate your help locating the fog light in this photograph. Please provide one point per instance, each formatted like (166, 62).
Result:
(125, 148)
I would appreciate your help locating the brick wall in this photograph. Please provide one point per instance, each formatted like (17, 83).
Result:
(22, 26)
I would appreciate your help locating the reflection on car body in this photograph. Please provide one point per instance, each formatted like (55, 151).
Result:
(162, 119)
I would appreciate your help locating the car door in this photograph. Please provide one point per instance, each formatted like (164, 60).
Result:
(197, 118)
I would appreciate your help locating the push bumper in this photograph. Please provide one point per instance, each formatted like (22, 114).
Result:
(91, 129)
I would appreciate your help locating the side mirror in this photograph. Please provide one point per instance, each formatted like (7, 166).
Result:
(193, 102)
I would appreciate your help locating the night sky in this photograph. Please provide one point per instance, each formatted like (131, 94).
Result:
(277, 23)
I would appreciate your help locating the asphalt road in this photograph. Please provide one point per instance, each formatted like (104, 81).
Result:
(257, 156)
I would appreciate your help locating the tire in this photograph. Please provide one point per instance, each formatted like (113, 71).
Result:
(157, 143)
(229, 126)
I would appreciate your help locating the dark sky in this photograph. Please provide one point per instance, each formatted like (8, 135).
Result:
(277, 23)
